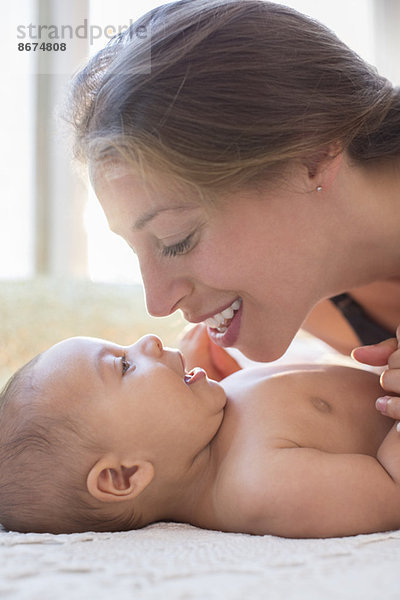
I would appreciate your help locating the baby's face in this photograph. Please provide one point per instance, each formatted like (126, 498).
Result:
(137, 396)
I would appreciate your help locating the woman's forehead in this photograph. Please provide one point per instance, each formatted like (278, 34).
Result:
(110, 169)
(110, 175)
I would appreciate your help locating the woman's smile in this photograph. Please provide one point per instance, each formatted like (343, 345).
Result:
(224, 328)
(221, 320)
(216, 279)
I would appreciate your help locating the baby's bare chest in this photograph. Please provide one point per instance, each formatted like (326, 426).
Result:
(329, 415)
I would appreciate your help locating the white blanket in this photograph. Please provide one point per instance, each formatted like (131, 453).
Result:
(169, 561)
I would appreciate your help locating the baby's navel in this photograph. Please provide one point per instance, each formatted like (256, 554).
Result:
(320, 404)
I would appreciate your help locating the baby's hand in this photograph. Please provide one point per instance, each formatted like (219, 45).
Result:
(200, 351)
(387, 352)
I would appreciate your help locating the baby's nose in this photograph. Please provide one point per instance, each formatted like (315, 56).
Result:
(151, 345)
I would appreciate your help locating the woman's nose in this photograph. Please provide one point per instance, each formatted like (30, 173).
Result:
(165, 291)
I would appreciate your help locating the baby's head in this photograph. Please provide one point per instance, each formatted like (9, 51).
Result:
(96, 436)
(43, 452)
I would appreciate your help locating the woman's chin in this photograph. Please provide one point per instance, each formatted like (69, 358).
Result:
(257, 350)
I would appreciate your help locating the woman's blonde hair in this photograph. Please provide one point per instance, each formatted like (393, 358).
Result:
(221, 93)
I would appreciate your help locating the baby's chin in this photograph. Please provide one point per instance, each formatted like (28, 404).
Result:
(221, 397)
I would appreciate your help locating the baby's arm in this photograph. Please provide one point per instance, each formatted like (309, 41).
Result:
(304, 492)
(380, 354)
(389, 455)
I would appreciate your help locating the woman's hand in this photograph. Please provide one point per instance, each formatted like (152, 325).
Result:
(387, 352)
(200, 351)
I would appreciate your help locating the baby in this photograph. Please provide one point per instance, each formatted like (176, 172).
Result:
(96, 436)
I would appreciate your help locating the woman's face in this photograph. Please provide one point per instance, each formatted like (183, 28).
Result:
(251, 265)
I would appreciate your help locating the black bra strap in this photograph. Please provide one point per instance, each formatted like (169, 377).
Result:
(366, 329)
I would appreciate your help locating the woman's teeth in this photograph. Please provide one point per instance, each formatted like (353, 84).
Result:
(222, 320)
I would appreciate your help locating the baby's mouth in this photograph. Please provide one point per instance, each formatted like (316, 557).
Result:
(194, 375)
(221, 321)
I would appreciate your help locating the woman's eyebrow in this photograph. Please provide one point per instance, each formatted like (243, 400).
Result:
(151, 214)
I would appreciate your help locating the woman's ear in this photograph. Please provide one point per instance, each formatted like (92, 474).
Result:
(323, 166)
(111, 481)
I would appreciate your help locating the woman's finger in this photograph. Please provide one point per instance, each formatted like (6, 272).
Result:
(377, 354)
(390, 380)
(394, 360)
(389, 406)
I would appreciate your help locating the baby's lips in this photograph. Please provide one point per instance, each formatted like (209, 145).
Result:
(194, 375)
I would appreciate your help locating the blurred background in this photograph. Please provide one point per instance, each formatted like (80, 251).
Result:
(62, 272)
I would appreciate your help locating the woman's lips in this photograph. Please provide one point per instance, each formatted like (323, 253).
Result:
(230, 336)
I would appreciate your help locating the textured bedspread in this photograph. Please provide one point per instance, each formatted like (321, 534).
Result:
(172, 561)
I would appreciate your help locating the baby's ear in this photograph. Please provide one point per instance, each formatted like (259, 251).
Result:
(111, 481)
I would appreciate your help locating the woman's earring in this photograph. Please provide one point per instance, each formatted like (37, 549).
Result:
(319, 188)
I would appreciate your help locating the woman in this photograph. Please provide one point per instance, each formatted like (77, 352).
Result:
(252, 161)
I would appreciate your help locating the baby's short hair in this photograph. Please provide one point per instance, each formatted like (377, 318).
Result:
(44, 461)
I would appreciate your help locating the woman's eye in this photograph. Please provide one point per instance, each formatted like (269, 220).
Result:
(125, 364)
(180, 248)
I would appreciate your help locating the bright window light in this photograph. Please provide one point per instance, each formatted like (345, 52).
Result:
(109, 258)
(16, 152)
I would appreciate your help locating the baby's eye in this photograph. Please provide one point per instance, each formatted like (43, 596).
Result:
(125, 364)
